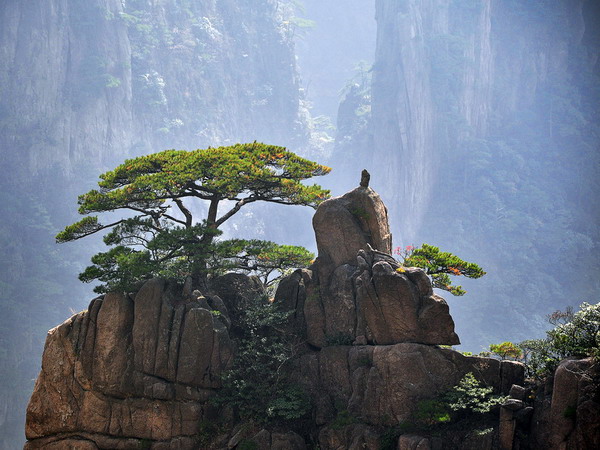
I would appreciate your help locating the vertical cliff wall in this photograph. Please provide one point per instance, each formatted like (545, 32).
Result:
(482, 139)
(94, 80)
(85, 84)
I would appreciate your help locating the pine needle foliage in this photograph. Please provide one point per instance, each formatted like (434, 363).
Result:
(161, 236)
(439, 266)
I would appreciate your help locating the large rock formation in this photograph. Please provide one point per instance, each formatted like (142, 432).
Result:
(356, 291)
(465, 98)
(130, 369)
(87, 84)
(139, 371)
(563, 412)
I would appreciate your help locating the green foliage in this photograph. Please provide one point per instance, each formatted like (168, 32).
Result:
(576, 334)
(388, 440)
(207, 431)
(257, 385)
(579, 336)
(439, 266)
(469, 396)
(158, 241)
(262, 258)
(539, 357)
(463, 401)
(339, 339)
(506, 350)
(432, 412)
(570, 412)
(342, 419)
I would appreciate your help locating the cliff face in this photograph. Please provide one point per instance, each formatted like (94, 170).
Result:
(445, 72)
(480, 131)
(118, 79)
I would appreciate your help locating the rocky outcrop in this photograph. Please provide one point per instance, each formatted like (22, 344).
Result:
(87, 84)
(451, 80)
(139, 371)
(356, 291)
(382, 385)
(343, 225)
(562, 412)
(131, 367)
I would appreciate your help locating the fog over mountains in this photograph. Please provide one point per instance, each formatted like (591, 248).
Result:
(478, 121)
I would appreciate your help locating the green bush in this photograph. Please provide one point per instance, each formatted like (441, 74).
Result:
(342, 419)
(576, 334)
(258, 385)
(432, 412)
(469, 396)
(245, 444)
(439, 266)
(506, 350)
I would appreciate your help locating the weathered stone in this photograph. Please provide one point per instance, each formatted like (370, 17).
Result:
(236, 291)
(196, 348)
(314, 318)
(574, 418)
(344, 225)
(511, 372)
(238, 433)
(565, 396)
(413, 442)
(333, 371)
(518, 392)
(56, 400)
(395, 310)
(360, 293)
(513, 404)
(287, 441)
(292, 292)
(63, 444)
(587, 427)
(112, 370)
(129, 368)
(382, 385)
(338, 305)
(523, 417)
(351, 437)
(507, 429)
(147, 311)
(262, 439)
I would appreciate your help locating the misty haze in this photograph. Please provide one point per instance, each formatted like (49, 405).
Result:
(477, 121)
